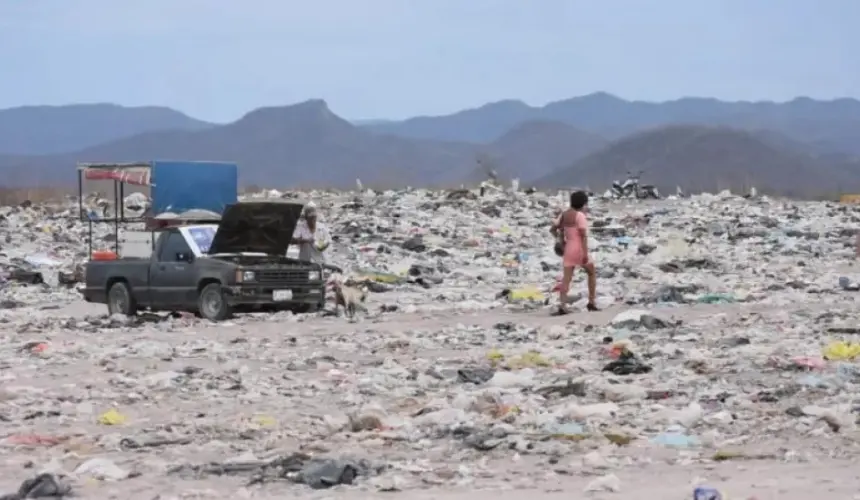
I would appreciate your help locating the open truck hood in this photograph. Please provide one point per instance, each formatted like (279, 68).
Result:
(259, 226)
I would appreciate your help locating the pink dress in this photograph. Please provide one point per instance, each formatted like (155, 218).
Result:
(572, 222)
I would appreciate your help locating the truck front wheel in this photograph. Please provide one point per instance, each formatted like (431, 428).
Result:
(120, 300)
(212, 303)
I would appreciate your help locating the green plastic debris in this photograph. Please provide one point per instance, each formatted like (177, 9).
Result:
(716, 298)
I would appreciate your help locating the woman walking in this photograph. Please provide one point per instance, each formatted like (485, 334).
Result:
(571, 230)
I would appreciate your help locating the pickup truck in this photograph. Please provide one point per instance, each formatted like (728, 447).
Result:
(214, 269)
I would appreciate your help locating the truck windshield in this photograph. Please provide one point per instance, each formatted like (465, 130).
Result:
(203, 237)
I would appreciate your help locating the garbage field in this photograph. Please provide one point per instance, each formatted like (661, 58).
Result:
(726, 355)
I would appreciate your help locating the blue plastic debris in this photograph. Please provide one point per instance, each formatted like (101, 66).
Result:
(707, 493)
(675, 439)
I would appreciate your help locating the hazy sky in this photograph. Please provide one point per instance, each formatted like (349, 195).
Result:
(217, 59)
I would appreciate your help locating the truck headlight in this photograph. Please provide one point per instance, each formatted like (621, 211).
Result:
(314, 276)
(244, 276)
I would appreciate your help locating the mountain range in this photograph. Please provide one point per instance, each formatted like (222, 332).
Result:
(41, 130)
(803, 147)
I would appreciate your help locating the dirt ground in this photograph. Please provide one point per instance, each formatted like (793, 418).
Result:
(759, 479)
(837, 480)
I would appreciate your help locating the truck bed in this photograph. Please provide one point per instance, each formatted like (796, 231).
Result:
(135, 270)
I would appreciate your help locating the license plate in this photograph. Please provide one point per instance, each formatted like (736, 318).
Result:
(282, 295)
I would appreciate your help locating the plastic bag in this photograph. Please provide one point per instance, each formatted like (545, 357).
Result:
(841, 351)
(112, 417)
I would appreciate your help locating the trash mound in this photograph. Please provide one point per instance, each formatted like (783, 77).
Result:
(728, 333)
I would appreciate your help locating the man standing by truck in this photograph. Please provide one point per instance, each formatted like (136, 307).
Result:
(311, 236)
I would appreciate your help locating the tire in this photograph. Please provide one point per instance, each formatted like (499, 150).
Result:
(212, 303)
(120, 300)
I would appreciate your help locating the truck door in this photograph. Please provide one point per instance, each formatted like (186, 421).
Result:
(172, 274)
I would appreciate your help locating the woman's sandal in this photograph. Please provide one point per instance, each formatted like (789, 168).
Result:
(561, 311)
(591, 307)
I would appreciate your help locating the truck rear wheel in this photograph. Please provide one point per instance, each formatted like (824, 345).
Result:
(212, 304)
(120, 300)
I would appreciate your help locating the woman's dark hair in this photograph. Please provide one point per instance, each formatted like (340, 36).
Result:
(578, 199)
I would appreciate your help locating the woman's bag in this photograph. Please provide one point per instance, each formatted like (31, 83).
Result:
(559, 240)
(559, 248)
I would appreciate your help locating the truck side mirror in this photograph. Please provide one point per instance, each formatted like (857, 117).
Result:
(184, 257)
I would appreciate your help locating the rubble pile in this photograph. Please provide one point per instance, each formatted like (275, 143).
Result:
(728, 332)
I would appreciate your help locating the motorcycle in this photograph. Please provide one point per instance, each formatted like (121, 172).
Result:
(631, 188)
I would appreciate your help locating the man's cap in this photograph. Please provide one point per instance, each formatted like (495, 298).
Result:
(310, 209)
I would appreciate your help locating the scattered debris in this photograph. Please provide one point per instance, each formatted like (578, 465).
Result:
(728, 332)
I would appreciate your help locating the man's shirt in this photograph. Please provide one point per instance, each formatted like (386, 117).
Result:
(320, 238)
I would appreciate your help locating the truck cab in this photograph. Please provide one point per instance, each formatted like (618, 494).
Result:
(214, 269)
